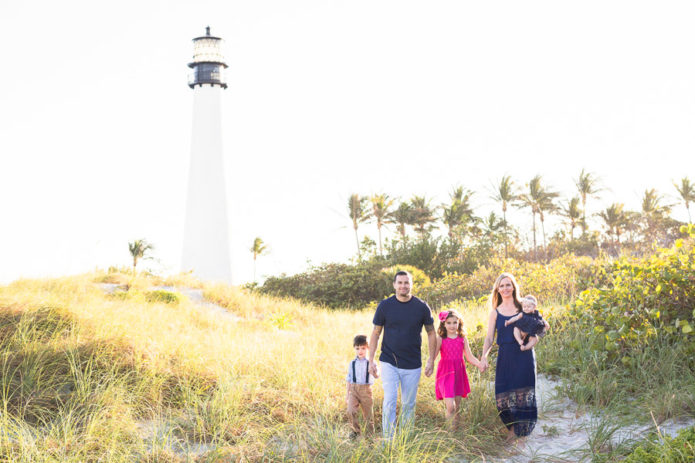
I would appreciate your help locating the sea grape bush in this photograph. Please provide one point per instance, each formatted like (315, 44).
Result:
(641, 298)
(342, 285)
(560, 280)
(679, 449)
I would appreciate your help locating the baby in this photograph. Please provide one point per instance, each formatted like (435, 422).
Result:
(528, 324)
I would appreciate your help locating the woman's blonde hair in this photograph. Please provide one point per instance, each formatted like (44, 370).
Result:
(496, 297)
(441, 331)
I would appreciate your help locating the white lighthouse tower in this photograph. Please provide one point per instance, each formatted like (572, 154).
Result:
(206, 230)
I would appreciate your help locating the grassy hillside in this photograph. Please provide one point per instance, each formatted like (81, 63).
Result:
(146, 374)
(91, 376)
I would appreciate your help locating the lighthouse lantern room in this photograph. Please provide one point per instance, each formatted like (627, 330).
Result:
(208, 62)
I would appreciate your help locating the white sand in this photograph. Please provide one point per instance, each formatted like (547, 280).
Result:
(194, 295)
(562, 434)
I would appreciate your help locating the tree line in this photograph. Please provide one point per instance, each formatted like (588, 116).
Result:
(621, 229)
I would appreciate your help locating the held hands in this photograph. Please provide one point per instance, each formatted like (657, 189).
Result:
(429, 367)
(483, 365)
(373, 369)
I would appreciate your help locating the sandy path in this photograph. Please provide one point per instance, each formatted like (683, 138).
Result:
(563, 435)
(194, 295)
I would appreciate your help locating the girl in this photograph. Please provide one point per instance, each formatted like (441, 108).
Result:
(452, 380)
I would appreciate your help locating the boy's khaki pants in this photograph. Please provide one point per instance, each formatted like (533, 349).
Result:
(360, 395)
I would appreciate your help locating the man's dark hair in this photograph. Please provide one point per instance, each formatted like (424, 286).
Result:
(404, 273)
(360, 340)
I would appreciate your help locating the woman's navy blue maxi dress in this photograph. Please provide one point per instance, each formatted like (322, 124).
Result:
(515, 381)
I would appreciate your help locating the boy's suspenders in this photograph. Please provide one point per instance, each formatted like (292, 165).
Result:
(354, 376)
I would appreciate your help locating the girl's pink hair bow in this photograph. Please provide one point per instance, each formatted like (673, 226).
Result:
(443, 314)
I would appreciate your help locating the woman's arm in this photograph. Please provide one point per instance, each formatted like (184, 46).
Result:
(487, 345)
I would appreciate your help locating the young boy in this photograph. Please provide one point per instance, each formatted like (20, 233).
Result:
(359, 388)
(529, 324)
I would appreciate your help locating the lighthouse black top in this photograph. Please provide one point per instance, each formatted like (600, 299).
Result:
(402, 322)
(208, 62)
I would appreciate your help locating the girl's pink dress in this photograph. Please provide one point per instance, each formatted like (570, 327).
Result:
(452, 379)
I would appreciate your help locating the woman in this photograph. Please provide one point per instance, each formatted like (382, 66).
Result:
(515, 375)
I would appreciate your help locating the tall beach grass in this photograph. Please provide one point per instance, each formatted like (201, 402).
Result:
(89, 376)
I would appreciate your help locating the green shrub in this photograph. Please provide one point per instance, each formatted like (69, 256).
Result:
(642, 298)
(160, 295)
(560, 280)
(680, 449)
(420, 279)
(341, 285)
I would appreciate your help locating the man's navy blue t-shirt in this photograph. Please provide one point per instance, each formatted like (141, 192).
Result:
(402, 322)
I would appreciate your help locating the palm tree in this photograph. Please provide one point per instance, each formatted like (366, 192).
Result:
(572, 213)
(258, 249)
(459, 211)
(381, 205)
(422, 214)
(546, 204)
(138, 249)
(402, 216)
(588, 185)
(615, 219)
(357, 207)
(653, 212)
(491, 225)
(686, 190)
(505, 193)
(532, 200)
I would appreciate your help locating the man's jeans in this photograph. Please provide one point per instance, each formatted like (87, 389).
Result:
(391, 377)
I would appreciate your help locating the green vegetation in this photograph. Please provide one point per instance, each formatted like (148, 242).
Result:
(455, 228)
(664, 449)
(341, 285)
(627, 345)
(149, 375)
(455, 247)
(640, 300)
(87, 377)
(159, 295)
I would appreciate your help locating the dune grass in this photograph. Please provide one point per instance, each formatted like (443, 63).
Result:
(90, 376)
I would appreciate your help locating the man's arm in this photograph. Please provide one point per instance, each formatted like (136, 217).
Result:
(373, 342)
(432, 342)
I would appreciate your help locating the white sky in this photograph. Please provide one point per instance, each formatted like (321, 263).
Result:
(325, 98)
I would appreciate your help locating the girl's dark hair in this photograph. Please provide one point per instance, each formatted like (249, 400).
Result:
(360, 340)
(441, 331)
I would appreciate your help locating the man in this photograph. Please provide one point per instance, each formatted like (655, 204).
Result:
(401, 317)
